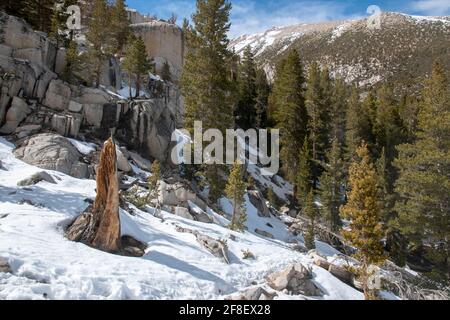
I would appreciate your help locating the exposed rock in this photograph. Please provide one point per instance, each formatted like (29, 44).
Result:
(99, 226)
(52, 152)
(75, 106)
(67, 124)
(177, 194)
(132, 247)
(183, 212)
(254, 294)
(320, 261)
(16, 114)
(93, 114)
(60, 63)
(122, 162)
(296, 279)
(259, 203)
(264, 233)
(216, 247)
(2, 167)
(341, 273)
(4, 266)
(164, 42)
(58, 95)
(36, 178)
(142, 163)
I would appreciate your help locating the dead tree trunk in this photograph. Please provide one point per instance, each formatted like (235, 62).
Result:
(99, 226)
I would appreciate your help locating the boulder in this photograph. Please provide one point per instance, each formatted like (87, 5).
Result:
(296, 279)
(217, 247)
(16, 114)
(176, 194)
(66, 124)
(341, 273)
(257, 200)
(122, 162)
(58, 95)
(75, 106)
(93, 114)
(5, 50)
(36, 178)
(255, 294)
(142, 163)
(264, 233)
(183, 212)
(4, 266)
(60, 63)
(52, 152)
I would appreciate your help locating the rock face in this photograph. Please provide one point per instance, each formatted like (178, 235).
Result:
(16, 114)
(164, 42)
(259, 203)
(52, 152)
(99, 227)
(296, 279)
(147, 126)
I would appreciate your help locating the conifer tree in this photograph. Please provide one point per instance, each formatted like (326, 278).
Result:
(262, 98)
(166, 75)
(99, 38)
(338, 110)
(206, 83)
(74, 63)
(363, 210)
(358, 126)
(245, 111)
(120, 26)
(136, 62)
(424, 181)
(331, 187)
(235, 191)
(303, 180)
(156, 175)
(289, 111)
(312, 213)
(315, 106)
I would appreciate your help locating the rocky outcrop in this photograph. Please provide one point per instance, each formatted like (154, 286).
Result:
(52, 152)
(147, 127)
(254, 294)
(18, 111)
(258, 201)
(296, 280)
(164, 42)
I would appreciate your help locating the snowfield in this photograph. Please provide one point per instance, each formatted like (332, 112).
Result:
(46, 265)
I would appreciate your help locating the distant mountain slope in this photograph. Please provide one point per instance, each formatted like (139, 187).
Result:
(401, 51)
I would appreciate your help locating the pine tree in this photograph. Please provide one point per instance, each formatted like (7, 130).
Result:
(166, 75)
(262, 98)
(303, 181)
(156, 175)
(358, 126)
(245, 111)
(315, 99)
(289, 112)
(74, 63)
(338, 110)
(363, 210)
(235, 191)
(38, 13)
(312, 213)
(424, 181)
(136, 62)
(205, 83)
(99, 38)
(332, 184)
(120, 26)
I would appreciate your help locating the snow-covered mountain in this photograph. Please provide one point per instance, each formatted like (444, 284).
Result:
(401, 50)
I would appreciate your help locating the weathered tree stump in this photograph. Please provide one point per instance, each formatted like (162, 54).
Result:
(99, 225)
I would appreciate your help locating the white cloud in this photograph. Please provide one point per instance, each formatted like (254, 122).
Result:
(432, 7)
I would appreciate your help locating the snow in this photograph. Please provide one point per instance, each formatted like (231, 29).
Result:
(175, 266)
(83, 147)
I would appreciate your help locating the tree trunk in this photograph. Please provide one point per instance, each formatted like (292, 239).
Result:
(99, 226)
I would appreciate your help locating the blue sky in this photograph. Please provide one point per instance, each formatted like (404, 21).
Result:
(250, 16)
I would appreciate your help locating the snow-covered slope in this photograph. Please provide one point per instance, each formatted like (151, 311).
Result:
(175, 266)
